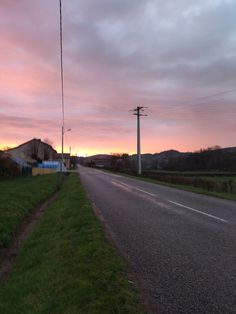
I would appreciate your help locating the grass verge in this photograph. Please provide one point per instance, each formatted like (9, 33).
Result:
(20, 196)
(189, 188)
(67, 265)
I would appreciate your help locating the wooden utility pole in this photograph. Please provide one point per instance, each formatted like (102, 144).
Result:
(139, 113)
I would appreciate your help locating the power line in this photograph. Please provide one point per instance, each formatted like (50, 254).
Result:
(209, 105)
(217, 94)
(193, 101)
(183, 101)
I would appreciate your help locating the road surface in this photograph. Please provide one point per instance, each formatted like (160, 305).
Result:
(180, 245)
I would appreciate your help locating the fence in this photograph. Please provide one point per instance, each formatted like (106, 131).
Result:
(42, 171)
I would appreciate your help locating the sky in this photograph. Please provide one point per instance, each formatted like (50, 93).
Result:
(178, 58)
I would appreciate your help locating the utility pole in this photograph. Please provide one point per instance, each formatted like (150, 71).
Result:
(139, 113)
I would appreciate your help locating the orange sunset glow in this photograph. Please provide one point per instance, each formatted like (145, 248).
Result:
(176, 58)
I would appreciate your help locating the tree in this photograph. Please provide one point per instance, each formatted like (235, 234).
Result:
(6, 148)
(119, 161)
(8, 168)
(48, 141)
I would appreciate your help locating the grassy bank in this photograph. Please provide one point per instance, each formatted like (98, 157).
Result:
(67, 265)
(222, 187)
(210, 182)
(18, 197)
(224, 195)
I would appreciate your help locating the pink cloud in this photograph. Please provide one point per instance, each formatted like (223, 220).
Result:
(118, 55)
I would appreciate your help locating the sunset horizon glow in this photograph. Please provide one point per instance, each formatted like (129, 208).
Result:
(91, 152)
(177, 58)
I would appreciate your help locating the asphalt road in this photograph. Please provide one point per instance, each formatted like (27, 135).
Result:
(181, 245)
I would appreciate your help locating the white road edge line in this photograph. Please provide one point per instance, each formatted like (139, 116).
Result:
(108, 174)
(145, 192)
(118, 184)
(198, 211)
(131, 187)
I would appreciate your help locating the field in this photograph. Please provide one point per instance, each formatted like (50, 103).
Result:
(67, 265)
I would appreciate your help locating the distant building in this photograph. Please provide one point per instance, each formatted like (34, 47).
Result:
(33, 151)
(66, 157)
(101, 161)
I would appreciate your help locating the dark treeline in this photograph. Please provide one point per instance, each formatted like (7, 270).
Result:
(211, 159)
(200, 169)
(8, 168)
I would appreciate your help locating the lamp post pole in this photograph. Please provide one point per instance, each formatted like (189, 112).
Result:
(62, 147)
(62, 88)
(63, 131)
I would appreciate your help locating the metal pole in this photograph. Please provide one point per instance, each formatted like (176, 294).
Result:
(138, 143)
(62, 89)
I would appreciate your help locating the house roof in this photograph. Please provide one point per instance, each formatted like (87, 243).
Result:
(33, 140)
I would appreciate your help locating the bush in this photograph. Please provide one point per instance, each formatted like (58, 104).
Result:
(8, 168)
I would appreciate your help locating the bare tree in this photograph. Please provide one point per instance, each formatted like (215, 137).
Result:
(6, 148)
(48, 141)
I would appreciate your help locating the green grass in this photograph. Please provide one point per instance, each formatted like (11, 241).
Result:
(67, 265)
(224, 195)
(193, 173)
(18, 197)
(221, 178)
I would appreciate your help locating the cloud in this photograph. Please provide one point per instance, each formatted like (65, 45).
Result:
(119, 54)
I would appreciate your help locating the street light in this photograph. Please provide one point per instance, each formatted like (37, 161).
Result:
(63, 131)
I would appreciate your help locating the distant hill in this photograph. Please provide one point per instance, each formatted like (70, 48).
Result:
(212, 158)
(229, 150)
(215, 158)
(157, 160)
